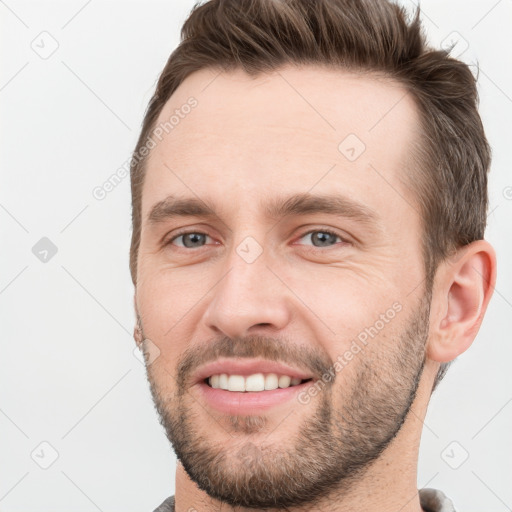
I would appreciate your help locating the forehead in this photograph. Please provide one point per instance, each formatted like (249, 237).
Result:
(290, 130)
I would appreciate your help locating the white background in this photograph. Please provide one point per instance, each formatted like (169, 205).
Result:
(68, 375)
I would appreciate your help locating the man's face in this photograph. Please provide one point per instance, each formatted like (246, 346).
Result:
(308, 266)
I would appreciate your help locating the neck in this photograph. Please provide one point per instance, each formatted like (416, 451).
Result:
(388, 485)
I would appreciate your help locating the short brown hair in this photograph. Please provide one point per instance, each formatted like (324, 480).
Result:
(453, 156)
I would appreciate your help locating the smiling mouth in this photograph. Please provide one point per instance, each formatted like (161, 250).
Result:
(256, 382)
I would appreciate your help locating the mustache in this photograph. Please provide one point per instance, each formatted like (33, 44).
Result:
(305, 357)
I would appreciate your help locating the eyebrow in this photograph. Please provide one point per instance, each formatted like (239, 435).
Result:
(172, 207)
(275, 208)
(304, 204)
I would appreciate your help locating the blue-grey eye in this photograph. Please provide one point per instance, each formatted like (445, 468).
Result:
(322, 238)
(191, 240)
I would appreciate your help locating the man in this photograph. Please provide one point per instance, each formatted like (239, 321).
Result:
(309, 204)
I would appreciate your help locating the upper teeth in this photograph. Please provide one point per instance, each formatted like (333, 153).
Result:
(254, 382)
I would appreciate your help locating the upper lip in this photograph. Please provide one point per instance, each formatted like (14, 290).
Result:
(247, 367)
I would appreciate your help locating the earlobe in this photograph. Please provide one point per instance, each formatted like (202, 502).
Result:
(137, 331)
(464, 287)
(137, 334)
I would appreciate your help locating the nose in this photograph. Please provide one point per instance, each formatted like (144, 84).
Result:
(249, 299)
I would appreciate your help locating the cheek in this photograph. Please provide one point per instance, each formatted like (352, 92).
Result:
(346, 299)
(361, 316)
(171, 302)
(163, 281)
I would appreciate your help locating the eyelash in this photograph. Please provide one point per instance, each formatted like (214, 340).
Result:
(312, 247)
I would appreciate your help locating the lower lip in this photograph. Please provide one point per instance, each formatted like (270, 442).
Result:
(237, 402)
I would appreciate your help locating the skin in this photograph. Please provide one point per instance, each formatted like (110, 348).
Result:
(253, 138)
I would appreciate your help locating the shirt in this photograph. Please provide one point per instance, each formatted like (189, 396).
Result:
(431, 500)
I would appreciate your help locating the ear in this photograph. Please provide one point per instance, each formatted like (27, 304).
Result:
(463, 286)
(137, 331)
